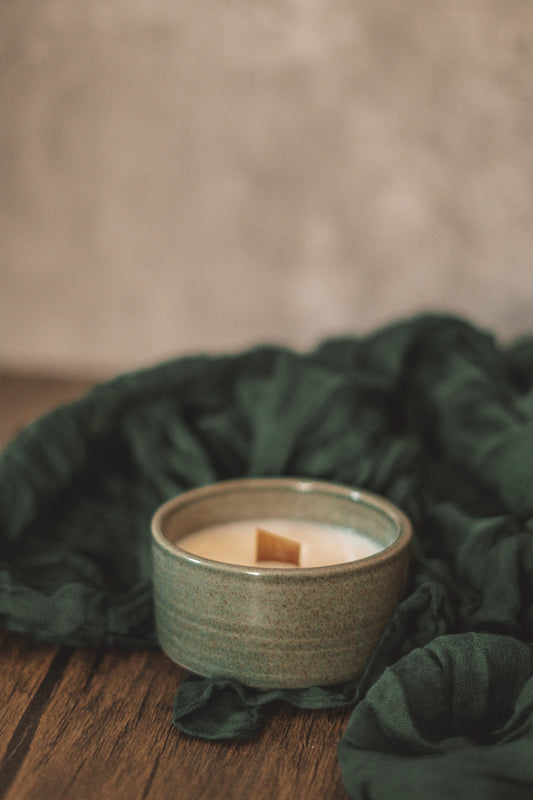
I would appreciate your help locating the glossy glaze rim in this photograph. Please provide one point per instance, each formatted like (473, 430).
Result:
(298, 485)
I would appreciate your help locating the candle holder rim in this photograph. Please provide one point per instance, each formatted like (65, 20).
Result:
(297, 484)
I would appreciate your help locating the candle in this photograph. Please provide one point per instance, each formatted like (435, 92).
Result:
(320, 544)
(308, 625)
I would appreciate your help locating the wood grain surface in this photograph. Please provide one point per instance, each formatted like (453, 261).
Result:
(96, 722)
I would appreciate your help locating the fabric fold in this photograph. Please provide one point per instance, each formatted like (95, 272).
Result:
(452, 719)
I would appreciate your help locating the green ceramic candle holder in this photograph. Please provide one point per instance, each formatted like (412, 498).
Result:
(276, 628)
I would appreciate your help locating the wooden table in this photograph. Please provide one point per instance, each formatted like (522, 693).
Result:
(96, 722)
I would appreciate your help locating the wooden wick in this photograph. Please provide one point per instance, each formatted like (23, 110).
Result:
(272, 547)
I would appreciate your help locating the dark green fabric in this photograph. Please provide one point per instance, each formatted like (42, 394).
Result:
(225, 709)
(451, 720)
(430, 412)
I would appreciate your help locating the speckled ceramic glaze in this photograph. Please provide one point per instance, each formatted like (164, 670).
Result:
(272, 628)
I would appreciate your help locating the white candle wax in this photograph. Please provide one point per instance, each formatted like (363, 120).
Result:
(321, 545)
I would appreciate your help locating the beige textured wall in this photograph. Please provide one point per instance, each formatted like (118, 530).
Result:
(183, 175)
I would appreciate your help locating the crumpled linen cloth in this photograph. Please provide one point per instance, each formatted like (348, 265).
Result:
(430, 412)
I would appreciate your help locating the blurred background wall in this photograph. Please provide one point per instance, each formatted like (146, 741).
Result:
(182, 175)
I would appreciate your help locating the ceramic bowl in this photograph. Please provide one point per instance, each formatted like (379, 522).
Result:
(276, 628)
